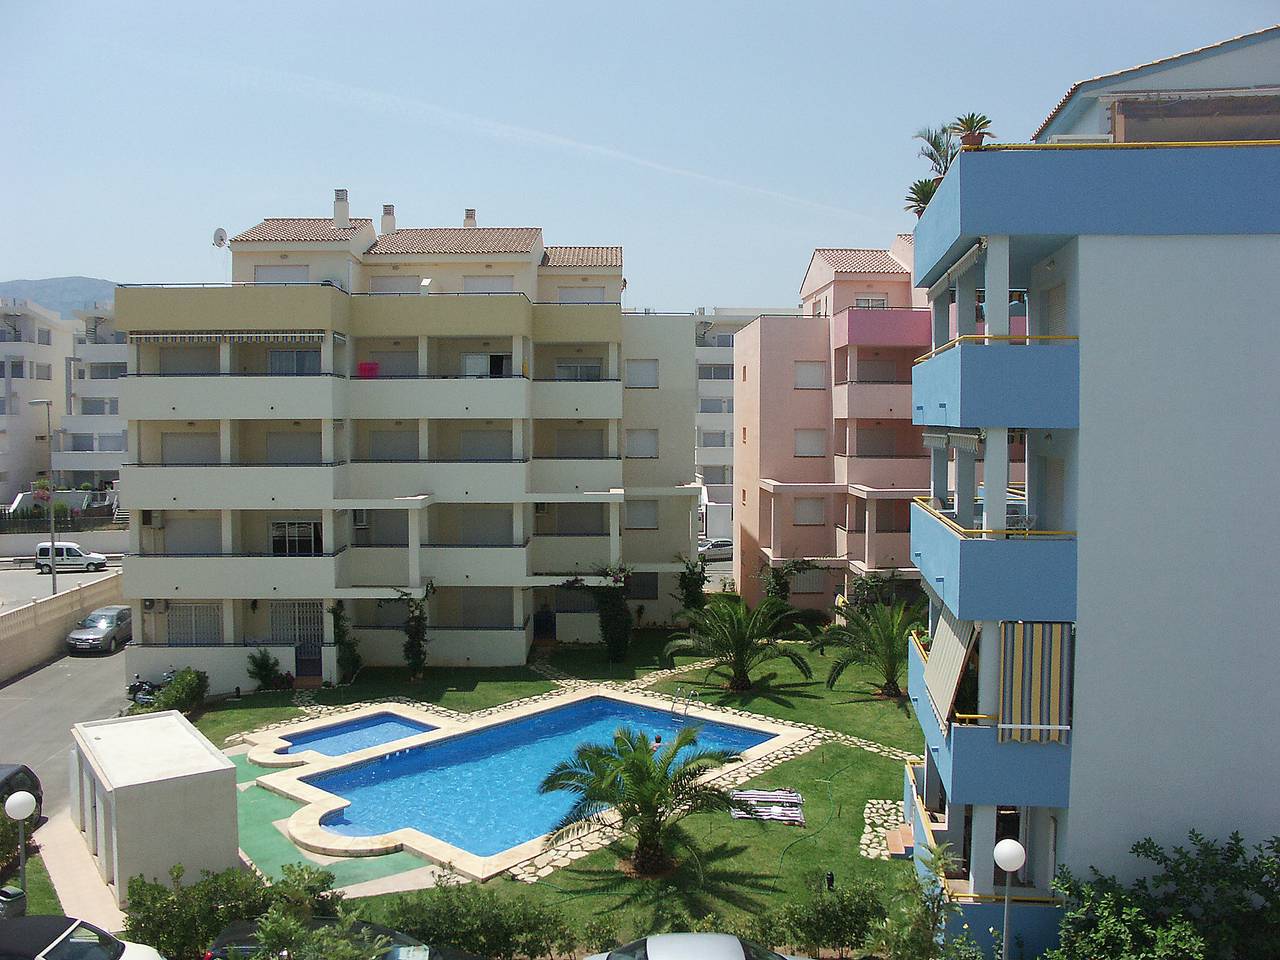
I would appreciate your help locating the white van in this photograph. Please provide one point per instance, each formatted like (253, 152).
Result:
(68, 556)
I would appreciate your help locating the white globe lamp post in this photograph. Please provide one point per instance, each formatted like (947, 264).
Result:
(18, 807)
(1009, 857)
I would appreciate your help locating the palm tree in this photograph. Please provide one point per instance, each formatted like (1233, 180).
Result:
(938, 146)
(919, 195)
(735, 636)
(971, 128)
(875, 637)
(651, 790)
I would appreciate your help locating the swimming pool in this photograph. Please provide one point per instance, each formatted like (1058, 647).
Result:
(478, 791)
(351, 735)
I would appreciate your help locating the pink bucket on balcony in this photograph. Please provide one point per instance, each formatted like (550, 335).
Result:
(367, 369)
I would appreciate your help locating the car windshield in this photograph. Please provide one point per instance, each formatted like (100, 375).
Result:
(86, 943)
(98, 621)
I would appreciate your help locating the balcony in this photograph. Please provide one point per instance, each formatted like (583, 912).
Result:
(379, 566)
(706, 353)
(568, 553)
(311, 306)
(211, 396)
(237, 576)
(975, 768)
(232, 486)
(865, 400)
(480, 481)
(576, 322)
(576, 399)
(88, 459)
(461, 398)
(475, 564)
(883, 473)
(882, 327)
(575, 475)
(995, 574)
(103, 387)
(102, 353)
(980, 381)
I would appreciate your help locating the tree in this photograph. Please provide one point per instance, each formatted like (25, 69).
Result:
(938, 146)
(281, 933)
(735, 636)
(918, 196)
(651, 790)
(415, 627)
(777, 580)
(875, 637)
(615, 616)
(349, 659)
(693, 580)
(918, 913)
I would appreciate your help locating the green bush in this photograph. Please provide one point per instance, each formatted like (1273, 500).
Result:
(836, 920)
(600, 934)
(349, 659)
(186, 692)
(264, 669)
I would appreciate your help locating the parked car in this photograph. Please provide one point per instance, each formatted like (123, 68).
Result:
(68, 556)
(106, 629)
(691, 946)
(241, 939)
(18, 776)
(65, 938)
(716, 549)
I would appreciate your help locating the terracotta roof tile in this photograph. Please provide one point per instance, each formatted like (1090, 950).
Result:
(301, 230)
(908, 238)
(458, 240)
(859, 260)
(582, 257)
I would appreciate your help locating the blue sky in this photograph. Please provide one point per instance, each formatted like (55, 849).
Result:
(718, 142)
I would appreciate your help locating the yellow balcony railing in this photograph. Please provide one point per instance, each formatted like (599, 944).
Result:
(992, 338)
(924, 504)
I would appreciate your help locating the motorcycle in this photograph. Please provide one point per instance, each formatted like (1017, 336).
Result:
(143, 692)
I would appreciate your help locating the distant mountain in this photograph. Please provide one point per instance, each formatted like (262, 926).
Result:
(63, 294)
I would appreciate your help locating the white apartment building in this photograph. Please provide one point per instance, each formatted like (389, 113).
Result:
(363, 410)
(715, 436)
(91, 445)
(34, 345)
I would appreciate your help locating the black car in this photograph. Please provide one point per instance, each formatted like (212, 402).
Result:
(18, 776)
(240, 939)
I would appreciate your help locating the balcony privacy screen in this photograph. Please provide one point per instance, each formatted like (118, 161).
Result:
(1035, 681)
(948, 653)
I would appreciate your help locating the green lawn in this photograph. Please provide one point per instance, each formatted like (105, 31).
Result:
(42, 899)
(644, 655)
(749, 866)
(781, 691)
(226, 717)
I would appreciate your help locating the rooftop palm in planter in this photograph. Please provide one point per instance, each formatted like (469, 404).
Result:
(919, 195)
(972, 128)
(938, 146)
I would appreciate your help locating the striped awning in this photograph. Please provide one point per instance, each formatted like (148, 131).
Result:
(948, 654)
(230, 336)
(1035, 681)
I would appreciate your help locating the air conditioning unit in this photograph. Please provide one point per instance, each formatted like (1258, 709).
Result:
(1081, 138)
(540, 509)
(153, 519)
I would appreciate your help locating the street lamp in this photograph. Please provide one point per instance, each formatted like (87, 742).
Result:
(53, 537)
(1010, 856)
(18, 807)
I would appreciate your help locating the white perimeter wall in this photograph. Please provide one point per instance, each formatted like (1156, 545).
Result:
(1176, 686)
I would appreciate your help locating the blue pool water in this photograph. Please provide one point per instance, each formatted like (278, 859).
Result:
(352, 735)
(479, 791)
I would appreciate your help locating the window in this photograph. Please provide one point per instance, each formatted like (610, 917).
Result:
(744, 373)
(112, 442)
(589, 368)
(489, 284)
(871, 303)
(724, 339)
(486, 365)
(811, 375)
(715, 405)
(580, 294)
(293, 363)
(79, 442)
(811, 443)
(44, 335)
(744, 434)
(810, 581)
(106, 371)
(642, 373)
(44, 371)
(715, 371)
(642, 586)
(99, 406)
(640, 514)
(17, 369)
(744, 494)
(296, 538)
(809, 512)
(642, 444)
(360, 519)
(716, 474)
(713, 438)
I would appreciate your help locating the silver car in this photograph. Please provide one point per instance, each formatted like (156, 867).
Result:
(713, 550)
(691, 946)
(106, 629)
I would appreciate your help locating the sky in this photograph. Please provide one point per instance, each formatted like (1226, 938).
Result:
(718, 142)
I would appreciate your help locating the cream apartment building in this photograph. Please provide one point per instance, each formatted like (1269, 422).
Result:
(34, 345)
(370, 409)
(92, 443)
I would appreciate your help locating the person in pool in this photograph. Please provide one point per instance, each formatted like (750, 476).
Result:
(657, 742)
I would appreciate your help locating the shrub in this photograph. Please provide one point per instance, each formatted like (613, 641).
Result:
(612, 611)
(264, 669)
(349, 659)
(415, 627)
(838, 919)
(777, 580)
(186, 692)
(692, 581)
(600, 934)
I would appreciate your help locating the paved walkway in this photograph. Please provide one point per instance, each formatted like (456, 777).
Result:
(75, 876)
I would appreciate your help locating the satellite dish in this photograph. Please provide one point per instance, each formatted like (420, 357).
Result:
(220, 237)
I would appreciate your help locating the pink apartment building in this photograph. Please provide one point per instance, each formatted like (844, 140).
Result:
(828, 459)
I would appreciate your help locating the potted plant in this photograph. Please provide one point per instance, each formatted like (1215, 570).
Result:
(972, 129)
(919, 195)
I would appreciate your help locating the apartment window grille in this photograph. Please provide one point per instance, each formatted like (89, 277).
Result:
(296, 538)
(809, 512)
(715, 371)
(810, 581)
(714, 438)
(44, 371)
(642, 444)
(194, 624)
(642, 586)
(715, 405)
(579, 369)
(811, 375)
(871, 303)
(44, 335)
(640, 514)
(293, 363)
(99, 406)
(106, 371)
(811, 443)
(360, 519)
(111, 442)
(642, 373)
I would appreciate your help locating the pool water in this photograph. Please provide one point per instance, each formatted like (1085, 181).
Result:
(351, 735)
(479, 791)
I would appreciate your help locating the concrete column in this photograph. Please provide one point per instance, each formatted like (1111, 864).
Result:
(228, 528)
(995, 480)
(135, 534)
(224, 356)
(939, 485)
(775, 535)
(996, 285)
(611, 437)
(941, 306)
(517, 438)
(424, 356)
(869, 520)
(226, 441)
(965, 487)
(613, 365)
(517, 522)
(966, 300)
(327, 441)
(424, 435)
(228, 621)
(989, 668)
(415, 549)
(326, 530)
(517, 356)
(326, 353)
(517, 607)
(982, 864)
(615, 533)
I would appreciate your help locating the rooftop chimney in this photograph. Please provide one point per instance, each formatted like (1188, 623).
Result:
(388, 218)
(341, 210)
(469, 217)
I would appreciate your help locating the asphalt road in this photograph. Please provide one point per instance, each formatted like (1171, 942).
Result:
(37, 711)
(19, 585)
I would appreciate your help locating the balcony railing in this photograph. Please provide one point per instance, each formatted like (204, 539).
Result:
(983, 338)
(1017, 524)
(238, 463)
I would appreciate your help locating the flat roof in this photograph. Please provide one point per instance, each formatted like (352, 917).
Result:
(147, 747)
